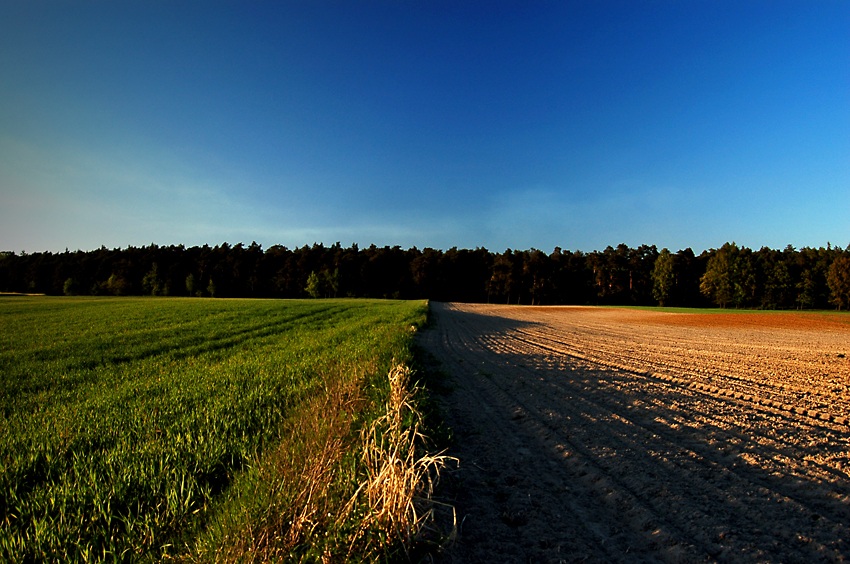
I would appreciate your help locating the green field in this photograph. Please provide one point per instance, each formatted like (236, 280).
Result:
(144, 428)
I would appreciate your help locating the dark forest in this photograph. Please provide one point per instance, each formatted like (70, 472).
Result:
(729, 276)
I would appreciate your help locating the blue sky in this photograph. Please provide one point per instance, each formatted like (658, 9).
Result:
(430, 124)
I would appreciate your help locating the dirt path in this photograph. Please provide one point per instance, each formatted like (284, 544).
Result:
(591, 434)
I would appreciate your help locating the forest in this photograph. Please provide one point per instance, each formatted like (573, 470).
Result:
(729, 276)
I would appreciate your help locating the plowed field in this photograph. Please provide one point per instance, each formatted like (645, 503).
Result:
(603, 434)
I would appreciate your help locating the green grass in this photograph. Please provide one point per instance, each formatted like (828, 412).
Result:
(129, 426)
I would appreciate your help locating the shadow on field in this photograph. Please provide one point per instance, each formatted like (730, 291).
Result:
(561, 459)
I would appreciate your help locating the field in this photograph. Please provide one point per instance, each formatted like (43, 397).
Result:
(612, 434)
(187, 428)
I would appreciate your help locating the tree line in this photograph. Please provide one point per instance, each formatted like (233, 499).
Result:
(729, 276)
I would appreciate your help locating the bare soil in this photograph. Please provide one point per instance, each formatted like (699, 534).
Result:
(604, 434)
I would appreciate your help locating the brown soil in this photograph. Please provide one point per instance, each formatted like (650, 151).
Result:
(601, 434)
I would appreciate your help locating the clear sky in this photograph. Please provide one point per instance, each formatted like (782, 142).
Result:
(577, 124)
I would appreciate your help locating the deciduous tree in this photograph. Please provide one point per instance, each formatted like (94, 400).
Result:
(314, 285)
(718, 281)
(838, 280)
(663, 277)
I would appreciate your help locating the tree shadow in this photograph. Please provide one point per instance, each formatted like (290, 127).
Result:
(649, 465)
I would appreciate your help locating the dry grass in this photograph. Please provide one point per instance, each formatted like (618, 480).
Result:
(330, 494)
(295, 498)
(400, 480)
(324, 437)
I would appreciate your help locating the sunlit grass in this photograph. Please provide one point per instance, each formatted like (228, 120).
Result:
(126, 425)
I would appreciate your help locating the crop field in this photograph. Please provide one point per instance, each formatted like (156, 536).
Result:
(135, 428)
(613, 434)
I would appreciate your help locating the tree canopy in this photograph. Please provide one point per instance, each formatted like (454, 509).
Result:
(729, 276)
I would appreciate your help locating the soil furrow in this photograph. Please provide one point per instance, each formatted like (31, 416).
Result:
(751, 405)
(496, 497)
(628, 443)
(789, 392)
(583, 435)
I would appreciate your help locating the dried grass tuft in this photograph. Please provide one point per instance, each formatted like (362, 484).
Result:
(400, 481)
(307, 511)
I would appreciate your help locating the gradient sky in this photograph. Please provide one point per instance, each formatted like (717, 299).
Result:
(577, 124)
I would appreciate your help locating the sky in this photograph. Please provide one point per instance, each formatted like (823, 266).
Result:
(543, 124)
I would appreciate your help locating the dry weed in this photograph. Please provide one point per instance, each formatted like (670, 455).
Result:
(323, 433)
(311, 514)
(304, 470)
(400, 482)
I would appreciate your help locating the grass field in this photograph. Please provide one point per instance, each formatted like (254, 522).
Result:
(145, 428)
